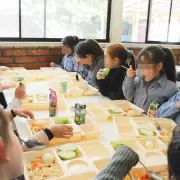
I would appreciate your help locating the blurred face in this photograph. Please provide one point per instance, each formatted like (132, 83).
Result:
(88, 60)
(66, 50)
(109, 62)
(149, 71)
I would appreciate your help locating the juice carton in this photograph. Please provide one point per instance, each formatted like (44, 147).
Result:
(63, 86)
(80, 113)
(53, 108)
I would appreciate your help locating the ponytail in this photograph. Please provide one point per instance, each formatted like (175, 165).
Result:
(125, 56)
(169, 65)
(70, 41)
(156, 55)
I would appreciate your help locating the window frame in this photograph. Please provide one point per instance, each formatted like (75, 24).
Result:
(147, 28)
(20, 39)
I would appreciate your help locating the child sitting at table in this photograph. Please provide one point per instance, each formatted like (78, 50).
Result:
(117, 58)
(90, 53)
(171, 109)
(69, 63)
(156, 66)
(11, 152)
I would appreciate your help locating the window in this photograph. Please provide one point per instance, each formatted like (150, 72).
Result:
(159, 19)
(9, 18)
(134, 20)
(174, 29)
(151, 21)
(54, 19)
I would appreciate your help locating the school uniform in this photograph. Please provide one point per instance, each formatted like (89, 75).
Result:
(69, 64)
(143, 93)
(111, 86)
(169, 109)
(96, 66)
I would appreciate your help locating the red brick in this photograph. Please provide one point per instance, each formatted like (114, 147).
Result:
(37, 65)
(26, 59)
(0, 52)
(56, 51)
(6, 60)
(47, 59)
(37, 52)
(14, 52)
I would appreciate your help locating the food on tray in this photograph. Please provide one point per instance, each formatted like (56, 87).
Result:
(144, 177)
(62, 120)
(68, 151)
(28, 99)
(48, 158)
(43, 167)
(164, 132)
(36, 127)
(149, 145)
(115, 110)
(19, 79)
(146, 132)
(42, 97)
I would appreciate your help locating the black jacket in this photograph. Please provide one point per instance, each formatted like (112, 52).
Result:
(111, 86)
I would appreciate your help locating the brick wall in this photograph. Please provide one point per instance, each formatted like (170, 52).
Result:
(30, 58)
(36, 57)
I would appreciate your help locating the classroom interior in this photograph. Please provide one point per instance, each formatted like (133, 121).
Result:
(84, 121)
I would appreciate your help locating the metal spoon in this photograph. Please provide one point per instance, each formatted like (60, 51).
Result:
(128, 68)
(151, 174)
(30, 144)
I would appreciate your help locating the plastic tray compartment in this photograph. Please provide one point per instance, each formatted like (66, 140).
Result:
(31, 156)
(84, 176)
(151, 144)
(79, 154)
(155, 159)
(96, 111)
(122, 121)
(90, 131)
(73, 91)
(90, 91)
(96, 150)
(101, 164)
(131, 143)
(146, 125)
(127, 131)
(37, 124)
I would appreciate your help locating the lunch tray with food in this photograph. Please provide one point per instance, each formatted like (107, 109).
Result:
(82, 132)
(82, 161)
(40, 101)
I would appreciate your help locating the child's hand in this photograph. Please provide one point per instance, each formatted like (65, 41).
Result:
(20, 92)
(52, 64)
(24, 113)
(62, 131)
(100, 74)
(130, 72)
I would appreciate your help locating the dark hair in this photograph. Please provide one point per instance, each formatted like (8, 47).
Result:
(120, 51)
(70, 41)
(174, 154)
(88, 46)
(157, 54)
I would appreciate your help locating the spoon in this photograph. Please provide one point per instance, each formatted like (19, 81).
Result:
(153, 175)
(128, 68)
(30, 144)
